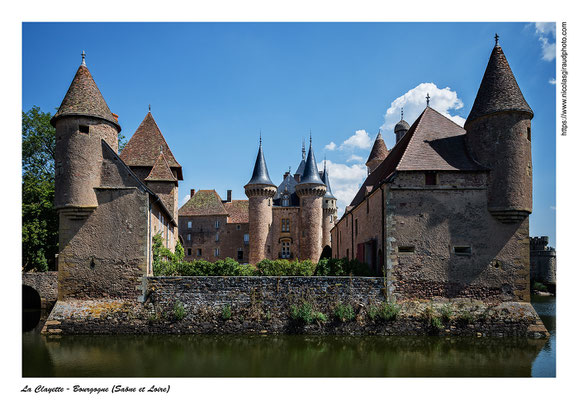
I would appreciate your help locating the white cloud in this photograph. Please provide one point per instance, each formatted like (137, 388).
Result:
(182, 203)
(360, 140)
(545, 32)
(414, 101)
(552, 81)
(345, 181)
(355, 158)
(330, 146)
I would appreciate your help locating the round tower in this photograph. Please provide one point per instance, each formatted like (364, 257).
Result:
(311, 190)
(401, 128)
(260, 191)
(378, 153)
(499, 138)
(329, 209)
(81, 122)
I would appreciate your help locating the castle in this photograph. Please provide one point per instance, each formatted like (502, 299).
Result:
(444, 213)
(291, 221)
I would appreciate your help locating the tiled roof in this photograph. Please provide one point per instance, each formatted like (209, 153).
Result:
(238, 211)
(161, 171)
(144, 147)
(499, 90)
(204, 202)
(84, 98)
(433, 143)
(379, 149)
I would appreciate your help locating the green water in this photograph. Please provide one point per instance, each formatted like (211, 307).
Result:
(290, 355)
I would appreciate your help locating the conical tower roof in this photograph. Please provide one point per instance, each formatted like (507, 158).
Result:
(260, 173)
(83, 98)
(401, 126)
(143, 148)
(499, 90)
(310, 173)
(161, 171)
(379, 150)
(325, 178)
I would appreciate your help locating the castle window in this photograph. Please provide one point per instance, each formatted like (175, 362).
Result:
(430, 178)
(285, 200)
(238, 227)
(285, 225)
(331, 218)
(355, 227)
(367, 206)
(83, 129)
(240, 254)
(246, 238)
(286, 249)
(217, 237)
(189, 251)
(217, 224)
(529, 133)
(462, 250)
(406, 249)
(199, 252)
(190, 224)
(188, 237)
(217, 252)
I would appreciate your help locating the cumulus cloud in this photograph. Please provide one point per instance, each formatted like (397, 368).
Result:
(359, 140)
(546, 31)
(355, 158)
(330, 146)
(184, 200)
(414, 101)
(552, 81)
(345, 181)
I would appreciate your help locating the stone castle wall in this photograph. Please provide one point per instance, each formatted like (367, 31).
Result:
(244, 305)
(45, 283)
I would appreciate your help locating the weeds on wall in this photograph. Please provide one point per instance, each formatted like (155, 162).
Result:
(304, 313)
(344, 312)
(384, 311)
(179, 310)
(226, 312)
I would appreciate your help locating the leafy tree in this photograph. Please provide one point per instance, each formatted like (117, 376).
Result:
(39, 219)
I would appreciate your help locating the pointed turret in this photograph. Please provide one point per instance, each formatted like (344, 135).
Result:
(82, 122)
(498, 137)
(325, 178)
(311, 190)
(163, 182)
(499, 91)
(260, 172)
(329, 209)
(310, 172)
(161, 171)
(260, 191)
(377, 155)
(83, 98)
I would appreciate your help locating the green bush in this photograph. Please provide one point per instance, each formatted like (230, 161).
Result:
(304, 313)
(226, 312)
(539, 286)
(385, 311)
(342, 267)
(179, 310)
(344, 312)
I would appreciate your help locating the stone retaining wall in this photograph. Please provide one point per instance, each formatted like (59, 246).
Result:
(263, 305)
(45, 283)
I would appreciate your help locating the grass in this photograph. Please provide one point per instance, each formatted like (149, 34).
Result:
(304, 313)
(179, 310)
(344, 312)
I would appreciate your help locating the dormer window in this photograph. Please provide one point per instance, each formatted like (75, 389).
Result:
(285, 201)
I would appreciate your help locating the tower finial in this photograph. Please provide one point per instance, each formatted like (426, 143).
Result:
(497, 40)
(427, 100)
(402, 113)
(260, 140)
(303, 152)
(310, 138)
(83, 54)
(149, 108)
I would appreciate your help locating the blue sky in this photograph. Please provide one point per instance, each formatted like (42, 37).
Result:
(213, 86)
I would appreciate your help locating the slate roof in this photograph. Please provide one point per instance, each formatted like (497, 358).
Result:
(499, 90)
(83, 98)
(288, 185)
(144, 147)
(379, 150)
(204, 202)
(238, 211)
(260, 173)
(433, 143)
(310, 173)
(161, 171)
(401, 126)
(325, 179)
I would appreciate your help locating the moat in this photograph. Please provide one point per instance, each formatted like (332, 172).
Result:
(291, 355)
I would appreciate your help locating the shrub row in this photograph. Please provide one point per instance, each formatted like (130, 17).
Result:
(166, 263)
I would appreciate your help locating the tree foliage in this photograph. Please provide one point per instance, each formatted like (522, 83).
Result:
(39, 219)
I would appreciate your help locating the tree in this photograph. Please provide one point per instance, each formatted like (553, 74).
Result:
(39, 219)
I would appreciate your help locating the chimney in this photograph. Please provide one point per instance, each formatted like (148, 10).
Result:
(115, 116)
(285, 175)
(229, 195)
(192, 192)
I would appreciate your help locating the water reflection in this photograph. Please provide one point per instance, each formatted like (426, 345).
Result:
(287, 355)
